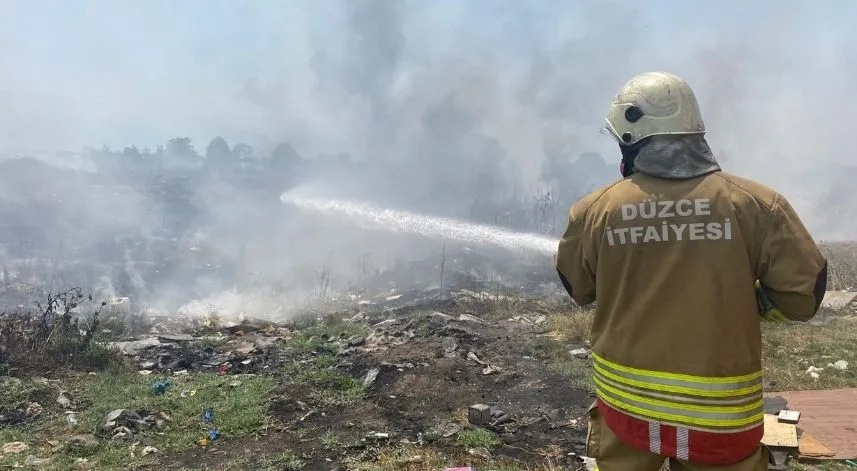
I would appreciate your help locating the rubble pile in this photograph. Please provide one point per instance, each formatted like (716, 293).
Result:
(250, 347)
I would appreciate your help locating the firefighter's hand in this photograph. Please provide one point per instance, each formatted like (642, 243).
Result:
(767, 311)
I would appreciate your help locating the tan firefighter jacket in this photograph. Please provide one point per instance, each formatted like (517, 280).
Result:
(673, 264)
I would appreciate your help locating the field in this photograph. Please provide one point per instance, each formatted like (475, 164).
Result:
(373, 388)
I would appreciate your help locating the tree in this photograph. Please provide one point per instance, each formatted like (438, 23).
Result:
(285, 160)
(218, 154)
(243, 152)
(180, 145)
(132, 154)
(181, 148)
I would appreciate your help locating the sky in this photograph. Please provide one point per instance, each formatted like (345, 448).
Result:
(360, 76)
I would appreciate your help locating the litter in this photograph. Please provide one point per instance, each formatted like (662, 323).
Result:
(160, 387)
(371, 375)
(789, 416)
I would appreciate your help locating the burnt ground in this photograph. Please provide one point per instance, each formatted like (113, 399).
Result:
(427, 377)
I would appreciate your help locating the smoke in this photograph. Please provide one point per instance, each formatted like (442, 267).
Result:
(453, 109)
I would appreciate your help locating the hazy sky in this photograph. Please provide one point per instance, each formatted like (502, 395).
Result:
(357, 76)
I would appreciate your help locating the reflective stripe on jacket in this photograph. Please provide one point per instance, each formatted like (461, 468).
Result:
(713, 420)
(725, 404)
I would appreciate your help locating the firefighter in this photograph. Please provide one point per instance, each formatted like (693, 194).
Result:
(673, 251)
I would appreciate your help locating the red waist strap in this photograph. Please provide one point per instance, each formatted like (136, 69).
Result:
(676, 442)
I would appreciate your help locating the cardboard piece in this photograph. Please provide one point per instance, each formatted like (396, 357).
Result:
(829, 416)
(778, 434)
(812, 448)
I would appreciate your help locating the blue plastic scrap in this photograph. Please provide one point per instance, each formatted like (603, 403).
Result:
(213, 434)
(207, 415)
(160, 387)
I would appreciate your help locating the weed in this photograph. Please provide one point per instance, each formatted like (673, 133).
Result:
(287, 460)
(347, 392)
(54, 336)
(477, 437)
(332, 440)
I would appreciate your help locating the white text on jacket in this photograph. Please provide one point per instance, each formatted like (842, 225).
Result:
(661, 229)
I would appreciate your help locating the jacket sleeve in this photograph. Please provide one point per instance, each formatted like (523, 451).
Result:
(573, 260)
(792, 270)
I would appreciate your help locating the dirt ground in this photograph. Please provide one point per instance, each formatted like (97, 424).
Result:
(427, 378)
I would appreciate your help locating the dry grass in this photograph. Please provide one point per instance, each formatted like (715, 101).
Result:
(842, 265)
(573, 327)
(790, 349)
(819, 466)
(414, 458)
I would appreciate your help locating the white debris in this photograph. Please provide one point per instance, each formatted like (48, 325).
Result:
(371, 375)
(469, 318)
(472, 356)
(840, 365)
(789, 416)
(63, 401)
(812, 371)
(386, 323)
(582, 353)
(35, 462)
(530, 320)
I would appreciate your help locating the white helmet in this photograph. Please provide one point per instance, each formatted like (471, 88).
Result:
(654, 103)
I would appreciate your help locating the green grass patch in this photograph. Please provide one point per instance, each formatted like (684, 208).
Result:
(790, 349)
(238, 403)
(477, 437)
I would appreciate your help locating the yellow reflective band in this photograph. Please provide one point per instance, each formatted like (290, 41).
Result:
(775, 315)
(702, 383)
(732, 402)
(657, 391)
(753, 403)
(678, 387)
(682, 414)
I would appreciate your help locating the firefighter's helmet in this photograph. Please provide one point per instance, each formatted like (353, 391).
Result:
(654, 103)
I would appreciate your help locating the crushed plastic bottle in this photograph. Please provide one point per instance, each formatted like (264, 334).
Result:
(160, 387)
(71, 419)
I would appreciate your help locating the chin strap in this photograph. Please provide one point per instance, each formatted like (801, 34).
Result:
(629, 154)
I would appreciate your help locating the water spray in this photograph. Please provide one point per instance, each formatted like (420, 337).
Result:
(389, 220)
